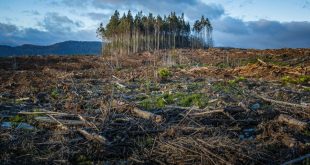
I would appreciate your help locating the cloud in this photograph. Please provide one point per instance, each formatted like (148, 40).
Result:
(75, 3)
(193, 9)
(54, 22)
(98, 16)
(261, 34)
(13, 35)
(31, 12)
(70, 3)
(230, 25)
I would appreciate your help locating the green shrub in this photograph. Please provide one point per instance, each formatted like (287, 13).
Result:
(236, 80)
(304, 79)
(164, 73)
(307, 89)
(17, 119)
(222, 65)
(198, 100)
(54, 93)
(181, 99)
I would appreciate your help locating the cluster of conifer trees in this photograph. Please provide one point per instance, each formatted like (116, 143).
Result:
(128, 34)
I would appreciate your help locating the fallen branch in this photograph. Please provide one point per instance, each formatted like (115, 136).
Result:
(292, 121)
(41, 113)
(119, 84)
(283, 103)
(62, 126)
(297, 160)
(23, 99)
(92, 137)
(201, 114)
(184, 108)
(118, 79)
(262, 62)
(65, 122)
(88, 123)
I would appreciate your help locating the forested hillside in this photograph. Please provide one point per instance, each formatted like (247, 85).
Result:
(63, 48)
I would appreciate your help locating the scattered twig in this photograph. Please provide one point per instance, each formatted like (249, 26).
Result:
(297, 160)
(88, 123)
(62, 126)
(262, 62)
(41, 113)
(201, 114)
(242, 105)
(183, 108)
(66, 122)
(283, 103)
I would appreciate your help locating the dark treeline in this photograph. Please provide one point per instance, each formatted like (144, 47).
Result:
(128, 34)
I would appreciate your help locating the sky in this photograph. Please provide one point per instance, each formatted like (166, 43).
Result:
(258, 24)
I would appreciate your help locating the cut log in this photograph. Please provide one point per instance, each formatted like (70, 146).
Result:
(92, 137)
(138, 112)
(147, 115)
(292, 121)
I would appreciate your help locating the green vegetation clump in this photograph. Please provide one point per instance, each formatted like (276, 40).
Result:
(304, 79)
(236, 80)
(17, 119)
(180, 99)
(307, 89)
(164, 73)
(195, 86)
(54, 93)
(222, 65)
(228, 88)
(193, 100)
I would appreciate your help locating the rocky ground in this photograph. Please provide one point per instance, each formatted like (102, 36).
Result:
(216, 106)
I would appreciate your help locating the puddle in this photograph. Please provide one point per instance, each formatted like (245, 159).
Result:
(9, 125)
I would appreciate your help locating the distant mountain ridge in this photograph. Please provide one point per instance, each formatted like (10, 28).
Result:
(61, 48)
